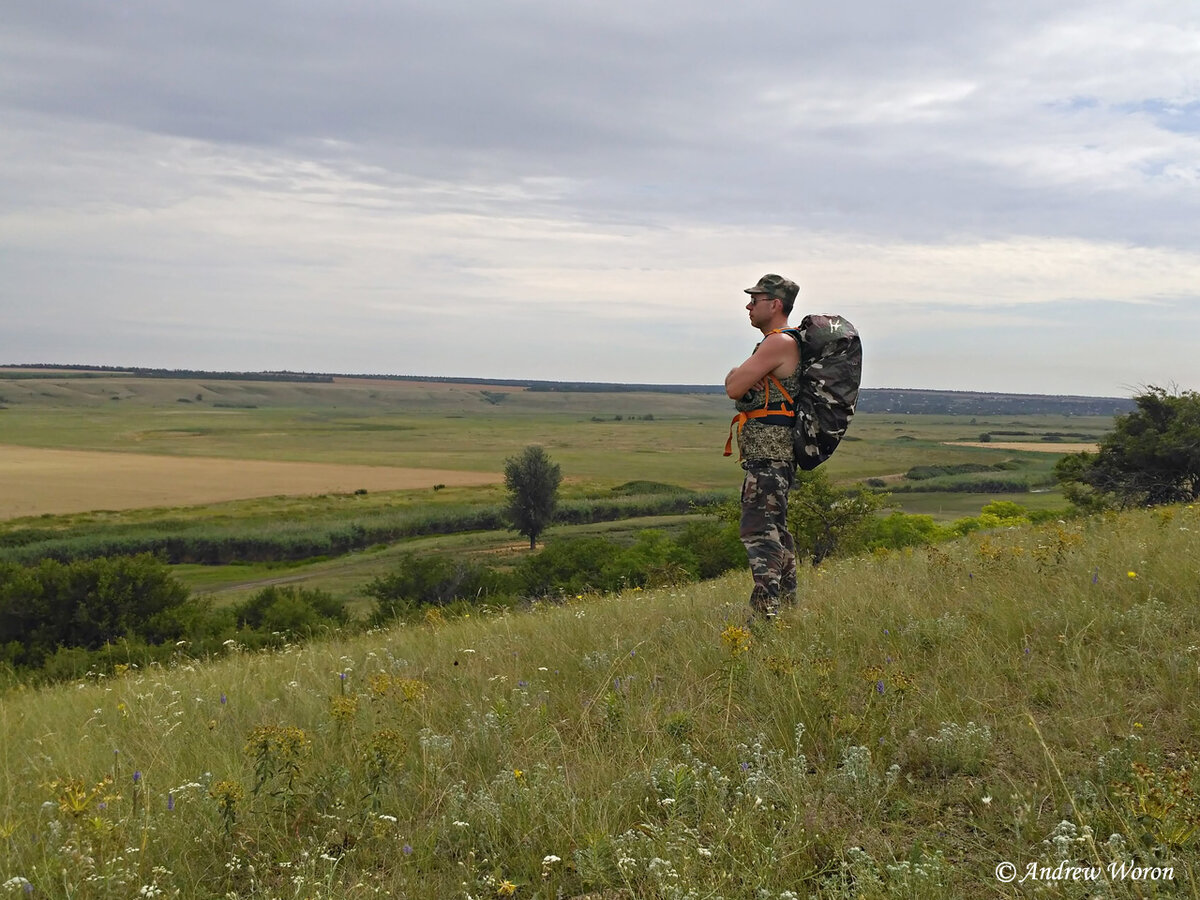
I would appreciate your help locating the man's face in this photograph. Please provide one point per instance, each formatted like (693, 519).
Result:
(761, 307)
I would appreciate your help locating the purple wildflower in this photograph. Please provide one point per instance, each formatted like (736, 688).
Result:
(407, 849)
(879, 687)
(137, 776)
(224, 699)
(522, 683)
(745, 767)
(170, 801)
(1095, 576)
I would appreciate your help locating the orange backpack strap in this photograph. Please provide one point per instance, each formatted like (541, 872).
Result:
(762, 412)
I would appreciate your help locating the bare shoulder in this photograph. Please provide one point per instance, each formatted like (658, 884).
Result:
(780, 344)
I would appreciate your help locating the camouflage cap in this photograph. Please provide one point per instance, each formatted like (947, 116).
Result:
(776, 286)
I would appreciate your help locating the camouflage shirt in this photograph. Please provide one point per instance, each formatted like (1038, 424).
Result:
(757, 440)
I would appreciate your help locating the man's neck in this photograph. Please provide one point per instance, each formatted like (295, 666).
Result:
(774, 325)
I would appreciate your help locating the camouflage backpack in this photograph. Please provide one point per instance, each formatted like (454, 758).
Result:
(830, 372)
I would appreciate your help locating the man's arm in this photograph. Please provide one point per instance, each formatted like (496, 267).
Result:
(773, 352)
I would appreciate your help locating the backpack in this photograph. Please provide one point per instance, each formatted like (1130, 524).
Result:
(830, 373)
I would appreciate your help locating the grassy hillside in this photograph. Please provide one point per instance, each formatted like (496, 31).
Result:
(1025, 696)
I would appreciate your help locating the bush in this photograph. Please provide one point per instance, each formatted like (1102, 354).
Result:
(86, 604)
(716, 547)
(903, 530)
(295, 612)
(567, 567)
(431, 581)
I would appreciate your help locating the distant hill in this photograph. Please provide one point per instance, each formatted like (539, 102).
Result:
(902, 401)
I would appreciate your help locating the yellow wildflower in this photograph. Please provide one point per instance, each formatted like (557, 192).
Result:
(736, 639)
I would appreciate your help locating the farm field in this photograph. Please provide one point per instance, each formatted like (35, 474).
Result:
(599, 439)
(38, 481)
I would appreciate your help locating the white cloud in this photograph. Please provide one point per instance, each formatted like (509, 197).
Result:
(583, 191)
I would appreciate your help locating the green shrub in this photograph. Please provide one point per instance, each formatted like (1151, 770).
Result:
(85, 604)
(900, 530)
(567, 567)
(716, 547)
(293, 611)
(431, 581)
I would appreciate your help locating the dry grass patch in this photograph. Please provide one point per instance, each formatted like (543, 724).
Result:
(36, 481)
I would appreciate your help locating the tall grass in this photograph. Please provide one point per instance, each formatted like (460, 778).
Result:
(1024, 696)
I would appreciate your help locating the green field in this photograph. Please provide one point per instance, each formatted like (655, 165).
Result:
(601, 441)
(457, 427)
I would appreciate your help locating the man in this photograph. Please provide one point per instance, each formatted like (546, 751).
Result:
(764, 434)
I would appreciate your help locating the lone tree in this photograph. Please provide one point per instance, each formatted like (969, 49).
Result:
(1151, 456)
(532, 482)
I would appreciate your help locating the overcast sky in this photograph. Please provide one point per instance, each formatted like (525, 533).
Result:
(1002, 196)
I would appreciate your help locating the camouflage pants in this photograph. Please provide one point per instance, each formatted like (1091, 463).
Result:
(769, 545)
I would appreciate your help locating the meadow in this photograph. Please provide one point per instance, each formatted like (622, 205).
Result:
(1024, 697)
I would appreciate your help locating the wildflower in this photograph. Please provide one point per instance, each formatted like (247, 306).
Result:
(170, 801)
(506, 889)
(387, 818)
(223, 698)
(1095, 576)
(518, 774)
(1131, 574)
(137, 776)
(879, 688)
(406, 850)
(737, 640)
(551, 859)
(343, 709)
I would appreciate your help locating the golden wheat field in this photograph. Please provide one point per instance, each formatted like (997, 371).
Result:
(36, 481)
